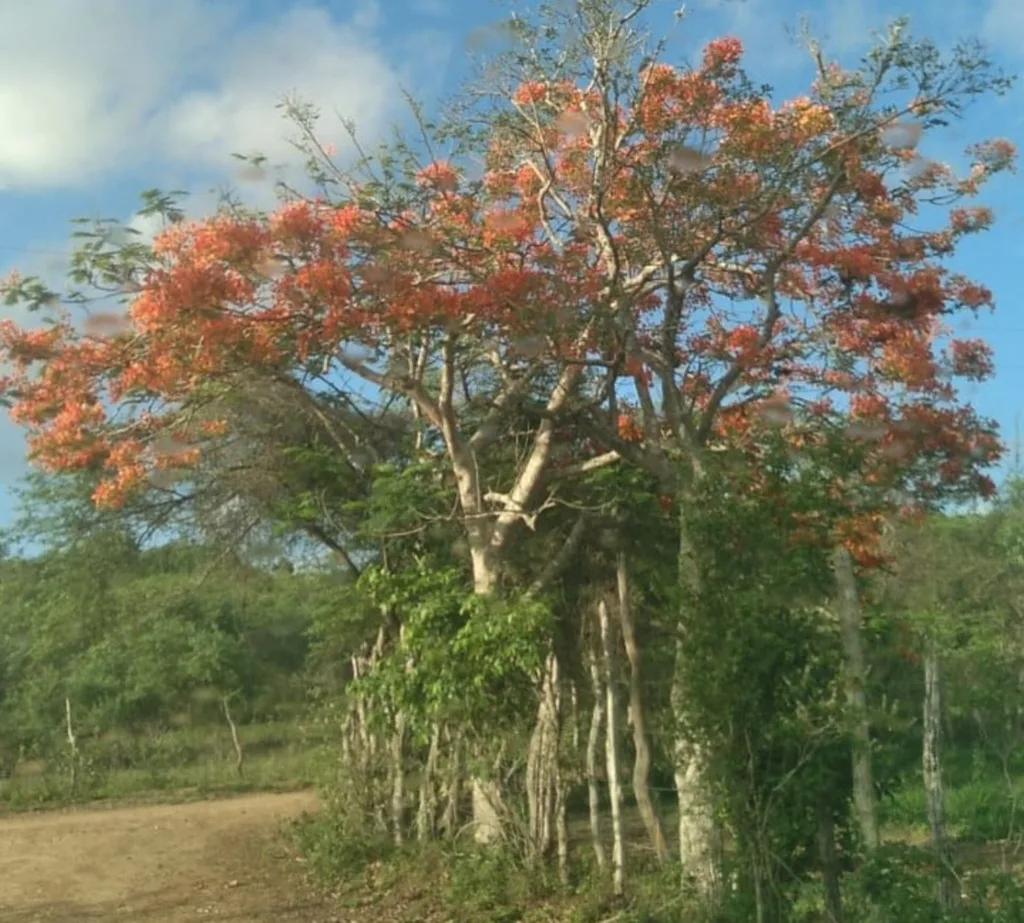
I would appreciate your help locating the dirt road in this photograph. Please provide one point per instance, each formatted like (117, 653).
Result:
(221, 860)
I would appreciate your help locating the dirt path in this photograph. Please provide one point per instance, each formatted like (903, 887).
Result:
(223, 860)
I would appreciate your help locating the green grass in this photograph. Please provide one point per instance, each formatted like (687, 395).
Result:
(182, 764)
(980, 811)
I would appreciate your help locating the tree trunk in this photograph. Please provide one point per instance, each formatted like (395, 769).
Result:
(593, 744)
(829, 862)
(931, 771)
(398, 780)
(542, 763)
(235, 741)
(562, 828)
(612, 750)
(699, 836)
(72, 746)
(489, 803)
(426, 815)
(450, 818)
(486, 794)
(850, 621)
(641, 743)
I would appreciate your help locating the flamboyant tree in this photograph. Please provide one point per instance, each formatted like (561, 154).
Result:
(657, 260)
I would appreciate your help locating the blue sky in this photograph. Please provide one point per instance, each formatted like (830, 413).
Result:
(100, 100)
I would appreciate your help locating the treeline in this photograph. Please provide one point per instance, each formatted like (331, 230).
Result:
(107, 643)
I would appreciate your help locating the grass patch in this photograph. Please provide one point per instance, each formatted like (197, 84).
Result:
(979, 811)
(182, 764)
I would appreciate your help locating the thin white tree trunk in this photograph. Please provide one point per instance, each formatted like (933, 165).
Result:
(612, 750)
(72, 746)
(426, 815)
(641, 743)
(829, 860)
(398, 779)
(561, 825)
(235, 740)
(450, 818)
(931, 771)
(593, 745)
(542, 762)
(851, 626)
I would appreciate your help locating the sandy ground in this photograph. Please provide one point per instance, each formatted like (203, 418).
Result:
(224, 860)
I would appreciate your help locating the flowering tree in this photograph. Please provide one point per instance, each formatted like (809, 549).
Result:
(656, 261)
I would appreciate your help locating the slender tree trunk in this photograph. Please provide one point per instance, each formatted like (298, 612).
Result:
(426, 815)
(641, 742)
(542, 762)
(931, 771)
(235, 741)
(612, 749)
(450, 818)
(829, 862)
(757, 879)
(72, 746)
(593, 745)
(397, 773)
(562, 827)
(347, 733)
(850, 620)
(376, 758)
(564, 786)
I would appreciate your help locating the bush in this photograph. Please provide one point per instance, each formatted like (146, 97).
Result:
(979, 811)
(903, 880)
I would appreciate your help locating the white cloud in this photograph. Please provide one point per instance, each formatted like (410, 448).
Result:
(88, 90)
(1003, 26)
(333, 65)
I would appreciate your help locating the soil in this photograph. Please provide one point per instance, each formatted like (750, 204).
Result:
(224, 860)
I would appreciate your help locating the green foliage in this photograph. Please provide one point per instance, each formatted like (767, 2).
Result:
(461, 657)
(902, 879)
(984, 810)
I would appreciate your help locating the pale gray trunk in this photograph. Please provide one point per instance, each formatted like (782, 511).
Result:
(855, 668)
(565, 787)
(489, 803)
(450, 818)
(72, 746)
(376, 755)
(426, 815)
(641, 743)
(699, 834)
(236, 741)
(829, 861)
(542, 763)
(562, 827)
(347, 733)
(486, 793)
(931, 771)
(398, 780)
(359, 707)
(593, 745)
(612, 749)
